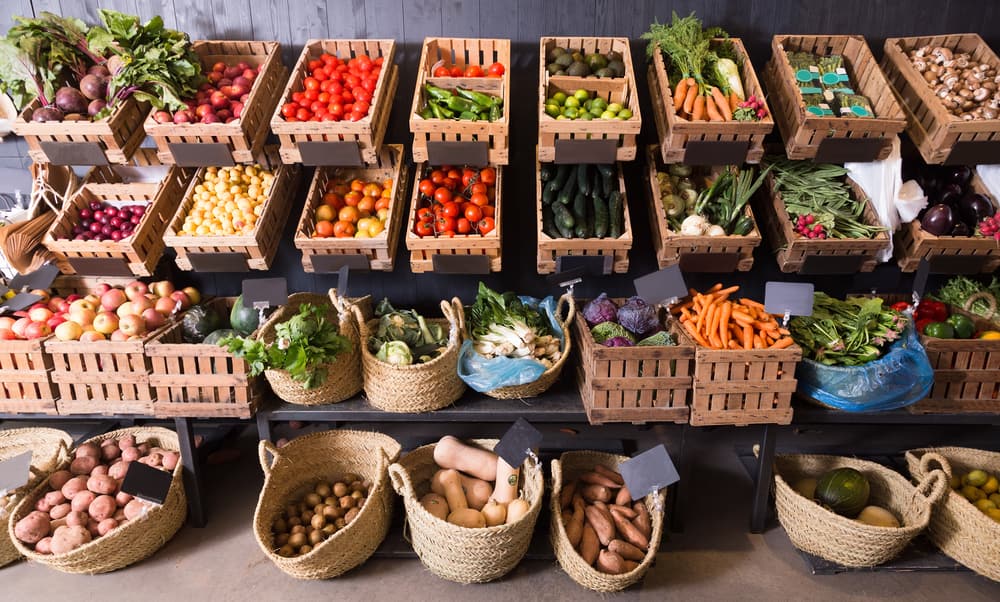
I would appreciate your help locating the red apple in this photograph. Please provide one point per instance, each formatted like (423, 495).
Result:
(40, 314)
(182, 297)
(135, 290)
(163, 117)
(153, 319)
(106, 322)
(7, 322)
(219, 99)
(73, 297)
(55, 304)
(37, 330)
(140, 305)
(20, 326)
(202, 110)
(162, 288)
(102, 288)
(132, 325)
(55, 321)
(193, 294)
(112, 299)
(7, 334)
(118, 335)
(125, 309)
(165, 305)
(90, 336)
(68, 331)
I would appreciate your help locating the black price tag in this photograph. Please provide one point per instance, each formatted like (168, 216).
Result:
(592, 265)
(920, 280)
(42, 278)
(201, 154)
(74, 153)
(831, 264)
(716, 152)
(262, 293)
(957, 264)
(567, 278)
(334, 152)
(100, 266)
(718, 263)
(662, 286)
(329, 264)
(15, 472)
(517, 442)
(20, 301)
(793, 298)
(460, 264)
(474, 154)
(974, 152)
(599, 150)
(147, 483)
(218, 262)
(649, 472)
(850, 150)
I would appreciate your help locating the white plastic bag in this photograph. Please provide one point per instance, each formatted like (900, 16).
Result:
(881, 181)
(990, 175)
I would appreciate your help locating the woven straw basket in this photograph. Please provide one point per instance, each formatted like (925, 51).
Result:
(550, 376)
(343, 374)
(417, 387)
(137, 539)
(565, 470)
(49, 448)
(293, 469)
(816, 530)
(957, 526)
(462, 554)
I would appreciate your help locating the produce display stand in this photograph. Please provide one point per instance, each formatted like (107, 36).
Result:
(111, 140)
(694, 253)
(321, 255)
(832, 139)
(26, 378)
(574, 141)
(241, 141)
(720, 142)
(437, 141)
(940, 136)
(144, 169)
(797, 253)
(614, 250)
(338, 142)
(239, 252)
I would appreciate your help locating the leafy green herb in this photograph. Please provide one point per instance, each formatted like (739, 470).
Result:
(302, 346)
(959, 289)
(724, 201)
(846, 333)
(688, 49)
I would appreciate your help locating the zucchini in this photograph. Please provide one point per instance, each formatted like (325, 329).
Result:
(548, 222)
(547, 172)
(600, 217)
(582, 181)
(590, 219)
(743, 226)
(608, 179)
(567, 191)
(580, 215)
(563, 219)
(562, 173)
(549, 194)
(616, 214)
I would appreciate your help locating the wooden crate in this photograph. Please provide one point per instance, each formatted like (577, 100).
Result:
(368, 133)
(143, 169)
(694, 253)
(634, 384)
(244, 138)
(461, 52)
(67, 284)
(744, 386)
(966, 372)
(253, 251)
(550, 249)
(110, 140)
(804, 133)
(935, 131)
(139, 253)
(379, 252)
(552, 132)
(676, 133)
(423, 250)
(794, 251)
(949, 254)
(198, 380)
(26, 378)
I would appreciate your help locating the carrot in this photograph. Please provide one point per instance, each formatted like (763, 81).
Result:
(757, 343)
(724, 323)
(722, 104)
(751, 303)
(711, 110)
(782, 343)
(699, 109)
(732, 344)
(685, 315)
(693, 330)
(742, 318)
(710, 315)
(727, 291)
(784, 331)
(748, 337)
(717, 287)
(713, 337)
(713, 327)
(680, 91)
(734, 101)
(692, 93)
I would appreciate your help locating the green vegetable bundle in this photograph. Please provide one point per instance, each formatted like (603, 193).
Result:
(959, 289)
(846, 333)
(723, 202)
(503, 325)
(404, 337)
(462, 104)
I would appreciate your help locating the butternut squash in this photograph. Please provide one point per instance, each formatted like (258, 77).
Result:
(505, 488)
(517, 510)
(436, 504)
(477, 491)
(467, 517)
(452, 453)
(452, 484)
(495, 513)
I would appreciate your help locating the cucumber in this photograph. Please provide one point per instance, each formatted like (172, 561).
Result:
(608, 179)
(562, 173)
(582, 181)
(743, 226)
(563, 219)
(590, 219)
(616, 214)
(548, 222)
(580, 216)
(547, 172)
(549, 194)
(567, 191)
(600, 217)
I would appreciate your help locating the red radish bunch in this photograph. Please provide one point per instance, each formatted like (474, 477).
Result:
(220, 99)
(990, 226)
(751, 109)
(806, 226)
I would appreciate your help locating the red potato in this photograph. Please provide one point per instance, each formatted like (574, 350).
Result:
(134, 509)
(32, 528)
(122, 498)
(92, 527)
(120, 516)
(60, 511)
(88, 450)
(44, 545)
(126, 441)
(144, 448)
(83, 465)
(131, 454)
(77, 519)
(42, 505)
(108, 442)
(74, 486)
(67, 539)
(102, 507)
(110, 452)
(99, 470)
(82, 501)
(106, 526)
(118, 470)
(170, 460)
(55, 498)
(59, 478)
(102, 485)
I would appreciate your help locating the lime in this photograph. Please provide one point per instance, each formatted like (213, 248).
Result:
(553, 110)
(956, 481)
(572, 101)
(977, 478)
(559, 97)
(561, 117)
(600, 103)
(589, 104)
(995, 498)
(586, 115)
(607, 115)
(625, 114)
(596, 112)
(615, 107)
(571, 113)
(994, 513)
(581, 95)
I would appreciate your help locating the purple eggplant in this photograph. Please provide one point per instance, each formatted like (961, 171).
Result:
(949, 194)
(961, 229)
(938, 220)
(958, 174)
(974, 208)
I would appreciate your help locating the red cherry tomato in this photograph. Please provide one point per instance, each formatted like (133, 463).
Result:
(467, 176)
(289, 109)
(485, 225)
(444, 224)
(426, 187)
(425, 214)
(496, 69)
(488, 210)
(442, 195)
(480, 199)
(463, 226)
(488, 176)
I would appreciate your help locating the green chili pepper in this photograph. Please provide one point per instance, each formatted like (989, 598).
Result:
(437, 93)
(484, 100)
(461, 105)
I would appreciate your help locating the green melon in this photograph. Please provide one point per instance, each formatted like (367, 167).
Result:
(218, 335)
(244, 320)
(844, 491)
(199, 322)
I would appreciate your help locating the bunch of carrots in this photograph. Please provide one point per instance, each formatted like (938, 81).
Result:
(703, 102)
(716, 322)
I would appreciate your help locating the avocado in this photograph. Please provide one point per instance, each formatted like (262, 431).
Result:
(617, 68)
(578, 57)
(553, 68)
(614, 56)
(578, 69)
(605, 72)
(596, 61)
(556, 52)
(560, 72)
(564, 60)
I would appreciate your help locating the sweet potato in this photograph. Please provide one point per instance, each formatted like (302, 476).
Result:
(589, 544)
(611, 474)
(602, 526)
(631, 565)
(624, 497)
(467, 517)
(566, 495)
(59, 478)
(83, 465)
(88, 450)
(629, 531)
(595, 478)
(102, 485)
(626, 550)
(610, 563)
(642, 521)
(60, 511)
(67, 539)
(351, 514)
(82, 500)
(625, 510)
(102, 507)
(596, 493)
(74, 486)
(32, 528)
(574, 529)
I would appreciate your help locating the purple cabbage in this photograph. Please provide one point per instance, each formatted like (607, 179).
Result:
(638, 316)
(618, 342)
(599, 310)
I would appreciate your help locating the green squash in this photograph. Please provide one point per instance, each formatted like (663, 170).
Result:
(218, 335)
(199, 322)
(244, 320)
(844, 491)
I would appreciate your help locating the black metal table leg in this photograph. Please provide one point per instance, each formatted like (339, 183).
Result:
(264, 425)
(762, 486)
(192, 475)
(675, 506)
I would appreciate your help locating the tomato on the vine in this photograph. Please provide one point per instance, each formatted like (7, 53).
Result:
(425, 214)
(455, 72)
(488, 176)
(426, 187)
(442, 195)
(442, 71)
(451, 209)
(489, 210)
(444, 223)
(438, 177)
(463, 226)
(424, 229)
(473, 213)
(486, 225)
(480, 199)
(478, 188)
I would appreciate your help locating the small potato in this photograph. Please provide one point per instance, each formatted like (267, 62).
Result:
(74, 486)
(101, 470)
(126, 441)
(122, 498)
(280, 526)
(330, 529)
(332, 512)
(131, 454)
(170, 460)
(82, 501)
(313, 499)
(154, 459)
(110, 452)
(347, 502)
(350, 478)
(281, 539)
(361, 502)
(357, 495)
(54, 498)
(298, 529)
(43, 505)
(67, 539)
(83, 465)
(318, 521)
(318, 509)
(120, 516)
(316, 537)
(77, 519)
(102, 507)
(305, 550)
(108, 442)
(32, 528)
(134, 509)
(88, 450)
(330, 501)
(60, 511)
(297, 540)
(340, 522)
(291, 510)
(294, 521)
(340, 490)
(286, 551)
(102, 485)
(357, 486)
(59, 478)
(44, 545)
(322, 490)
(118, 470)
(351, 515)
(92, 527)
(106, 526)
(307, 516)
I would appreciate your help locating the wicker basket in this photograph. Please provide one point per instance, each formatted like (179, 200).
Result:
(816, 530)
(957, 526)
(138, 539)
(550, 376)
(50, 448)
(343, 375)
(327, 455)
(417, 387)
(457, 553)
(574, 463)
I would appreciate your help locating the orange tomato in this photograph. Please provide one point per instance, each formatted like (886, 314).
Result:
(478, 188)
(349, 214)
(488, 210)
(334, 200)
(325, 213)
(382, 203)
(383, 214)
(324, 228)
(372, 189)
(352, 198)
(357, 185)
(387, 184)
(343, 229)
(366, 204)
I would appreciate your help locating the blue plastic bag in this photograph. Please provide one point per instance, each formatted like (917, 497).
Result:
(901, 377)
(486, 374)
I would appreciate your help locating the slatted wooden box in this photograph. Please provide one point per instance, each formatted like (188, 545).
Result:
(950, 254)
(200, 380)
(238, 252)
(694, 253)
(139, 253)
(364, 136)
(424, 250)
(243, 139)
(25, 378)
(328, 254)
(144, 169)
(744, 386)
(634, 384)
(110, 140)
(553, 133)
(550, 249)
(933, 129)
(966, 372)
(797, 253)
(461, 52)
(804, 133)
(677, 133)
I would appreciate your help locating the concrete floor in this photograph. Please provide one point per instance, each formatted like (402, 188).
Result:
(714, 559)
